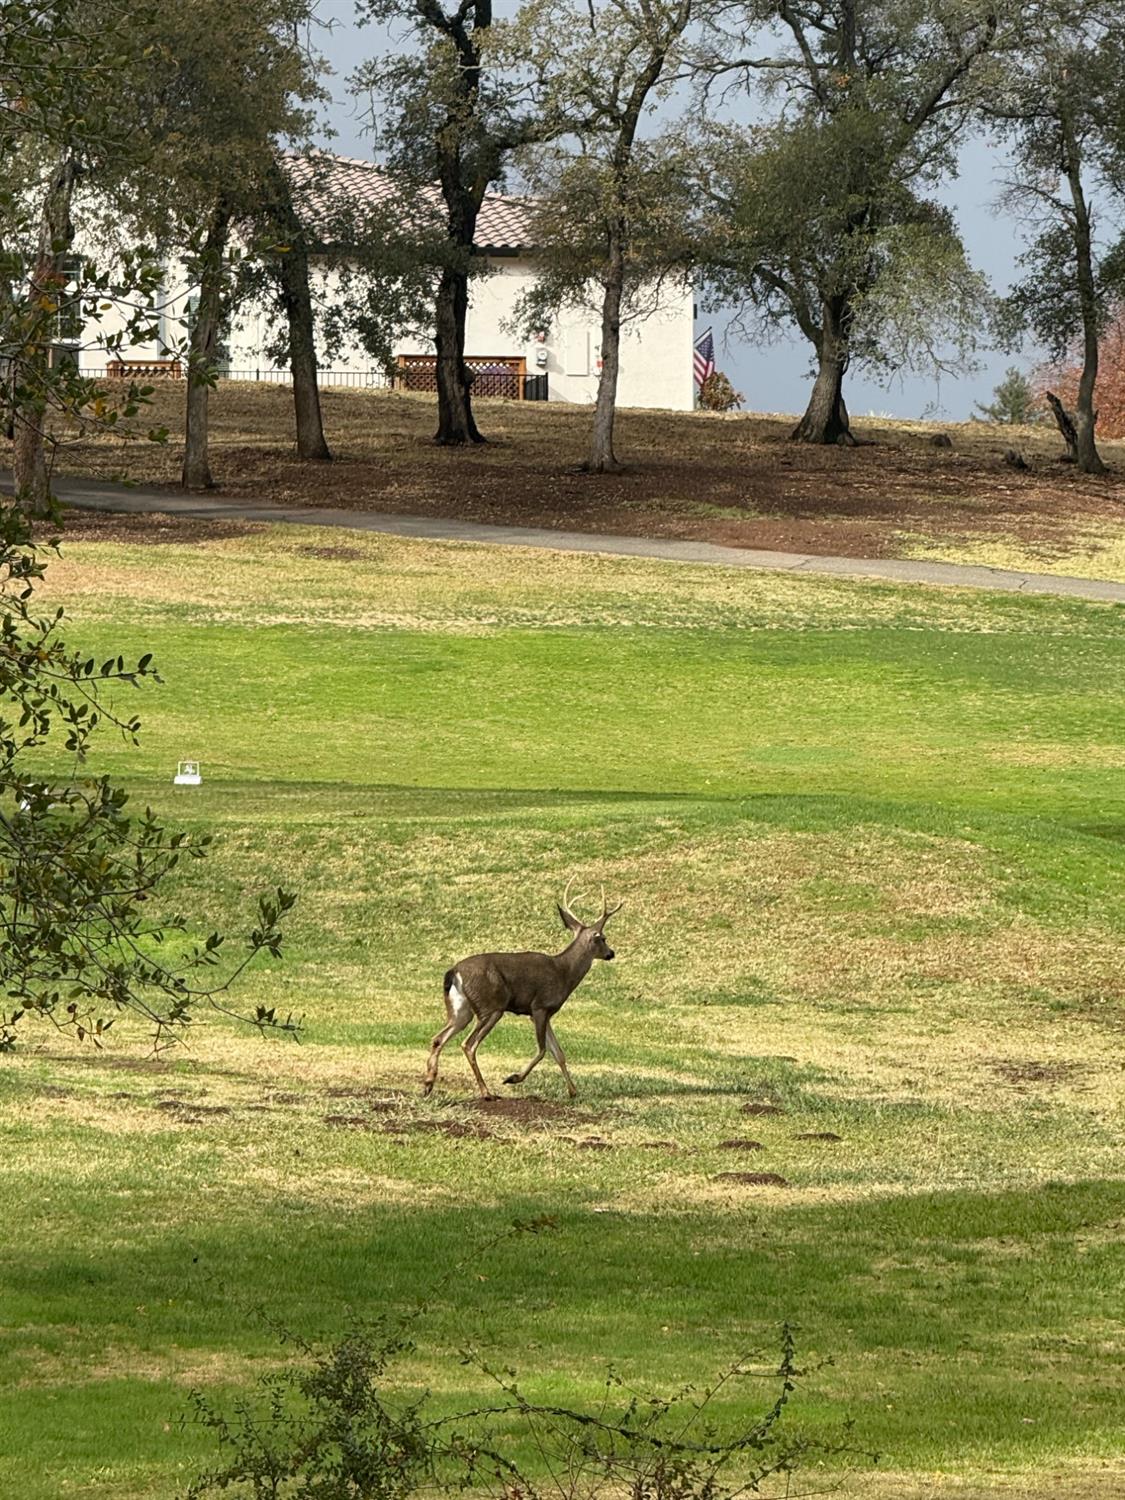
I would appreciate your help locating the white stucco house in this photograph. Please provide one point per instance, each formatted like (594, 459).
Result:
(656, 351)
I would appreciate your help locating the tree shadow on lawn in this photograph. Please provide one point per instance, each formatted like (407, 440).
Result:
(932, 1309)
(894, 1272)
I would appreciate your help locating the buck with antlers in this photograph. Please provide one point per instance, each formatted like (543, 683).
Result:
(486, 986)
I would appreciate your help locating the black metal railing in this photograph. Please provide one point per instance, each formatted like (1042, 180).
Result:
(357, 379)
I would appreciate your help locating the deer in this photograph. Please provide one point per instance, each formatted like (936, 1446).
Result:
(486, 986)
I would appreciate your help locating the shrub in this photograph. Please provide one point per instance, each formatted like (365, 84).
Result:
(1014, 401)
(340, 1429)
(718, 394)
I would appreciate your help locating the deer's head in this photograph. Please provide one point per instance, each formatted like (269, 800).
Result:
(590, 934)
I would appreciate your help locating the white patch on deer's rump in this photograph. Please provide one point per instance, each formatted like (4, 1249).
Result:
(457, 997)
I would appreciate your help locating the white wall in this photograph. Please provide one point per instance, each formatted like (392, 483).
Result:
(656, 350)
(167, 315)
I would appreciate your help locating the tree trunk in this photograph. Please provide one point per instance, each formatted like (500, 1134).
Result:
(826, 417)
(602, 459)
(205, 331)
(32, 363)
(1065, 423)
(311, 442)
(1085, 451)
(455, 408)
(296, 300)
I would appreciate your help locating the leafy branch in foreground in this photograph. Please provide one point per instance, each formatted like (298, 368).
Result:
(341, 1428)
(77, 867)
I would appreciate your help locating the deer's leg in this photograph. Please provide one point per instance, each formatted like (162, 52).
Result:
(470, 1045)
(542, 1026)
(557, 1053)
(459, 1018)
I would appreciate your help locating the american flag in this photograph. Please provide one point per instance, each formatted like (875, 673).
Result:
(704, 357)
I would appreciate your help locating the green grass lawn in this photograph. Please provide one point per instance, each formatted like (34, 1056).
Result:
(869, 842)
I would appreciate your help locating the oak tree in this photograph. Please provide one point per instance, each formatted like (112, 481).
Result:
(446, 116)
(1056, 101)
(612, 215)
(823, 217)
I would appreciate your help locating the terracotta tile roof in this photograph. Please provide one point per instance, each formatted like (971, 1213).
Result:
(503, 224)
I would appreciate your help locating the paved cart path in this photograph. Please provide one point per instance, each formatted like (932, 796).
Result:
(91, 494)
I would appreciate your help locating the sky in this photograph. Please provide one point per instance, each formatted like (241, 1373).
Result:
(776, 377)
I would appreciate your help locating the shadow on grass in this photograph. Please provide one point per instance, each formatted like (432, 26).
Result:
(962, 1326)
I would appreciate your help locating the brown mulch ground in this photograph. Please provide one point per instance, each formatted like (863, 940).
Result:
(736, 480)
(109, 526)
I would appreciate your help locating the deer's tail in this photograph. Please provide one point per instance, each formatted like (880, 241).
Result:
(448, 981)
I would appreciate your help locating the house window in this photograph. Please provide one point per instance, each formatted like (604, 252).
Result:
(577, 351)
(69, 320)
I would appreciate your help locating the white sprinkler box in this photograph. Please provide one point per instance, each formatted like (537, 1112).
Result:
(187, 774)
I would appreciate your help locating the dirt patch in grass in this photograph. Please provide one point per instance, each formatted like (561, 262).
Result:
(115, 1064)
(1030, 1071)
(529, 1110)
(761, 1109)
(751, 1179)
(737, 480)
(334, 554)
(351, 1122)
(457, 1130)
(148, 530)
(191, 1112)
(739, 1144)
(818, 1135)
(377, 1101)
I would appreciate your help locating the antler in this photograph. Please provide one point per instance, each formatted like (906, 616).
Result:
(606, 912)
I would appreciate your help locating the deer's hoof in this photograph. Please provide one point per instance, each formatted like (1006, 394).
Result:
(513, 1078)
(427, 1090)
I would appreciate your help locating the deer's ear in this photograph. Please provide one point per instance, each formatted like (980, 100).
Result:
(572, 924)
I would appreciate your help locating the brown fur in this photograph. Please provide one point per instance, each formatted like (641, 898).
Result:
(525, 984)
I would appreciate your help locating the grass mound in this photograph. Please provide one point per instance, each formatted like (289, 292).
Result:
(869, 842)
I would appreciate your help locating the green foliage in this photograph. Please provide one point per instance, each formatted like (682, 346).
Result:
(328, 1432)
(225, 86)
(608, 204)
(1047, 303)
(821, 218)
(1013, 401)
(77, 869)
(870, 853)
(65, 116)
(461, 98)
(450, 111)
(343, 1429)
(821, 211)
(220, 90)
(381, 256)
(579, 201)
(1056, 101)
